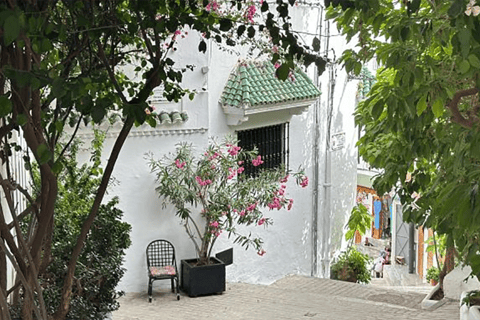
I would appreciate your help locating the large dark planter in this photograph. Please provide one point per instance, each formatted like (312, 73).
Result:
(202, 280)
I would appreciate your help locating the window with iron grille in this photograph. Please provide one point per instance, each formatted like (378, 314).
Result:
(272, 145)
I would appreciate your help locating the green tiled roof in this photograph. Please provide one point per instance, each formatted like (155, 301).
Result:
(253, 84)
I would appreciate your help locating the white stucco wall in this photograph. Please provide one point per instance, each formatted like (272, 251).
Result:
(289, 242)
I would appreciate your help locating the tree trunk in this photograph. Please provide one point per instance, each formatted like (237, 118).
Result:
(3, 270)
(448, 265)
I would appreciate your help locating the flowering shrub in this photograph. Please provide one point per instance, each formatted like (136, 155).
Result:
(215, 183)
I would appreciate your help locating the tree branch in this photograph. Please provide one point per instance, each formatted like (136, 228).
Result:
(453, 106)
(31, 263)
(110, 72)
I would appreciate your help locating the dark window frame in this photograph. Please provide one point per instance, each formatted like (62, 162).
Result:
(272, 143)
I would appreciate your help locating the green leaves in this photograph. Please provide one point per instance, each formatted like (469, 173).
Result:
(377, 109)
(360, 220)
(251, 32)
(282, 71)
(241, 29)
(226, 24)
(202, 46)
(421, 105)
(44, 154)
(438, 107)
(455, 9)
(464, 66)
(316, 44)
(464, 36)
(11, 28)
(474, 61)
(5, 105)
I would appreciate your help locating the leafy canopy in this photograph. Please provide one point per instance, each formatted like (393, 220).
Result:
(421, 117)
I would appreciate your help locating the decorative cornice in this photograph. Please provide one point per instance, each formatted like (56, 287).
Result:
(146, 132)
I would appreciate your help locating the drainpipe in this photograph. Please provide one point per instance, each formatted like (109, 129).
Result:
(315, 185)
(316, 151)
(327, 184)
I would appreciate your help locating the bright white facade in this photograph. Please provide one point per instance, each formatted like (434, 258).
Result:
(301, 241)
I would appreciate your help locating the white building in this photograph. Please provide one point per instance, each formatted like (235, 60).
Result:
(321, 138)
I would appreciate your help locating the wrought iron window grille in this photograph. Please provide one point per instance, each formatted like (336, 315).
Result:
(272, 143)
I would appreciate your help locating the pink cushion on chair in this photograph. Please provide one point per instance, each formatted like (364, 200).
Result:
(161, 271)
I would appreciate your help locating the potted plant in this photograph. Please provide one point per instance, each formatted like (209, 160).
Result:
(352, 265)
(215, 186)
(433, 274)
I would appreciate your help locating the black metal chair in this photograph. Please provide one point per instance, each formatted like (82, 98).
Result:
(162, 265)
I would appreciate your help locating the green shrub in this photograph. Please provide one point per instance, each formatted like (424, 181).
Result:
(351, 266)
(99, 267)
(433, 273)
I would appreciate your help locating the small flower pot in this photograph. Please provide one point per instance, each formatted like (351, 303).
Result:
(202, 280)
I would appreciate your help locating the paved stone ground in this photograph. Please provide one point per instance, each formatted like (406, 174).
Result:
(293, 297)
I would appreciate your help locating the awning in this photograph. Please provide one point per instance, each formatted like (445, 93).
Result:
(253, 88)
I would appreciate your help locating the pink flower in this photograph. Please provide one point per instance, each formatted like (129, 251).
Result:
(281, 192)
(277, 65)
(275, 49)
(261, 221)
(240, 170)
(284, 179)
(179, 164)
(240, 163)
(304, 182)
(252, 207)
(290, 204)
(275, 204)
(177, 32)
(215, 155)
(214, 224)
(291, 76)
(212, 6)
(257, 162)
(250, 13)
(242, 213)
(202, 182)
(261, 253)
(232, 174)
(233, 151)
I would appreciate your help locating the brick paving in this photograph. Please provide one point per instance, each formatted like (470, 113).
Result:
(293, 297)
